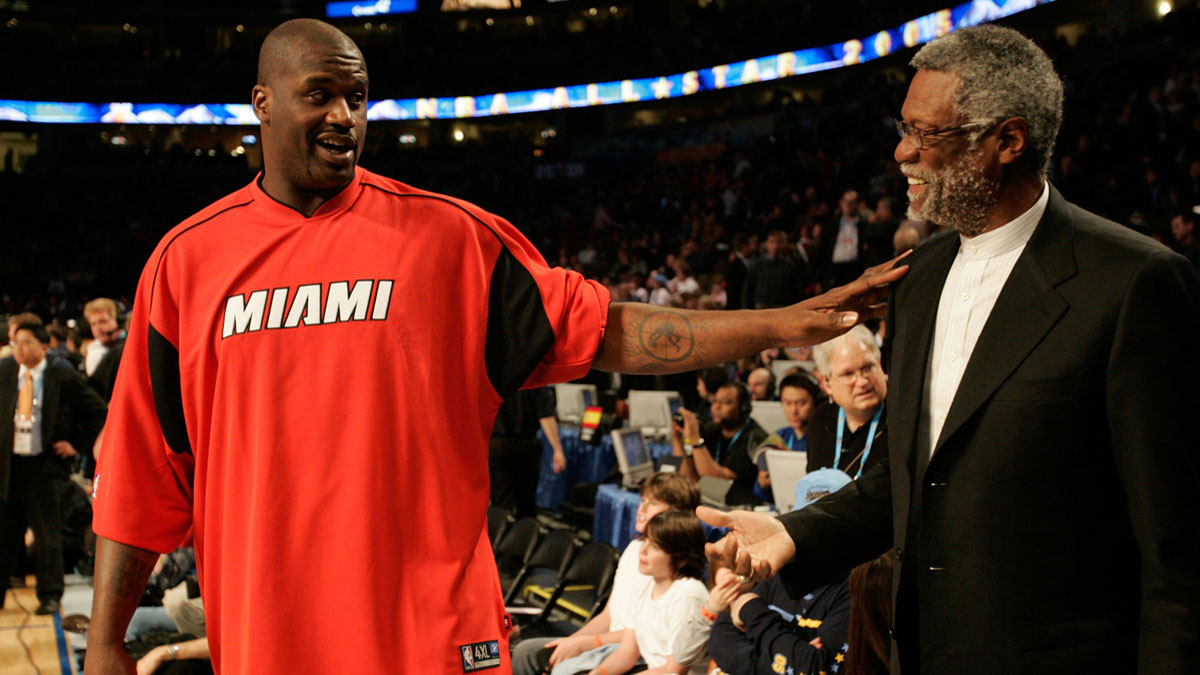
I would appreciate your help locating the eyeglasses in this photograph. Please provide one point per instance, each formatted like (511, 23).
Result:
(919, 136)
(850, 377)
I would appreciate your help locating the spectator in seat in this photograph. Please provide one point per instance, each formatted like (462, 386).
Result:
(761, 383)
(722, 448)
(850, 432)
(661, 492)
(671, 624)
(799, 395)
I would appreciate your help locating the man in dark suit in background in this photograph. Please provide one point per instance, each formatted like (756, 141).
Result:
(48, 416)
(1041, 491)
(105, 320)
(842, 250)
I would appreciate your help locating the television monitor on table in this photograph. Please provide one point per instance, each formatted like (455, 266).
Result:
(651, 411)
(572, 400)
(769, 415)
(633, 457)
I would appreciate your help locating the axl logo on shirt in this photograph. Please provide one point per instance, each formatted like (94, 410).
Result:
(285, 307)
(480, 655)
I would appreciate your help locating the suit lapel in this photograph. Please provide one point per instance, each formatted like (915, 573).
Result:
(1028, 306)
(916, 304)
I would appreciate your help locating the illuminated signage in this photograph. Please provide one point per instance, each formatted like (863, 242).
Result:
(725, 76)
(363, 8)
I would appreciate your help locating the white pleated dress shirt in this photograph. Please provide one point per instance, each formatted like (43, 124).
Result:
(976, 278)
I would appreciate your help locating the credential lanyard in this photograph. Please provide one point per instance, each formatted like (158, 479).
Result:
(837, 457)
(722, 448)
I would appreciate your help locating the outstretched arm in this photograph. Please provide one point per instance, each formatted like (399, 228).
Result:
(121, 574)
(648, 339)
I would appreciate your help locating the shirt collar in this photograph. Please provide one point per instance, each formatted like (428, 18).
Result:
(335, 205)
(36, 370)
(1008, 237)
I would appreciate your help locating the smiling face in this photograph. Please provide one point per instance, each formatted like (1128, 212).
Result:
(312, 101)
(950, 182)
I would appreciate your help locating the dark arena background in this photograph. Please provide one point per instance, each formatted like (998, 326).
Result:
(648, 145)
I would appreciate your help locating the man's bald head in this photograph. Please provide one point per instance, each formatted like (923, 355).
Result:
(294, 40)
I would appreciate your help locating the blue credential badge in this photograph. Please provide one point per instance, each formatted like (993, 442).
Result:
(480, 655)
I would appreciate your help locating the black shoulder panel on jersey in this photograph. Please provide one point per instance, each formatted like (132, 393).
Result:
(168, 399)
(518, 330)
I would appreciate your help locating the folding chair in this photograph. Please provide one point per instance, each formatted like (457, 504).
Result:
(515, 546)
(582, 590)
(544, 565)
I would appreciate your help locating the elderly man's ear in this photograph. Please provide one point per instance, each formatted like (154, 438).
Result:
(1012, 137)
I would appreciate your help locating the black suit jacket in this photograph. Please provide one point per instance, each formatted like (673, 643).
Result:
(71, 411)
(104, 378)
(1054, 529)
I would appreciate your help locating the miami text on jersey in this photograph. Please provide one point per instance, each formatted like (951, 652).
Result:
(288, 308)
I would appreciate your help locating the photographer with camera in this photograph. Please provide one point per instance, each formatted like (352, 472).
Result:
(722, 447)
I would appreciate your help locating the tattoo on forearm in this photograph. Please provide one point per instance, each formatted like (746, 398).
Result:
(663, 340)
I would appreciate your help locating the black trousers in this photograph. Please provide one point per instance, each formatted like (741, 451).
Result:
(513, 463)
(33, 502)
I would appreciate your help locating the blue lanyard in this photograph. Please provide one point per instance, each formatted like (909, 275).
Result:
(837, 457)
(791, 443)
(722, 447)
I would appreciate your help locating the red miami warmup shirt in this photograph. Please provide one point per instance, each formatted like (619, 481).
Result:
(316, 395)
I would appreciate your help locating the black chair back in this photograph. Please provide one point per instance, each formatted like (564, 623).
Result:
(498, 519)
(553, 552)
(594, 565)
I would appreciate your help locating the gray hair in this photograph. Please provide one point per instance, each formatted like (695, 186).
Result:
(1002, 74)
(860, 334)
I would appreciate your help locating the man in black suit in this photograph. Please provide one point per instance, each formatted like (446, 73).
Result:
(1042, 487)
(48, 415)
(102, 315)
(842, 250)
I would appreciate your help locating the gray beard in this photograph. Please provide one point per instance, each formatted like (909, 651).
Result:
(960, 198)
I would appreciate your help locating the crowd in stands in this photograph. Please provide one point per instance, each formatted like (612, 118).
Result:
(703, 215)
(707, 194)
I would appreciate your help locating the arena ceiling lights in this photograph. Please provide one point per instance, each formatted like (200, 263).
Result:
(763, 69)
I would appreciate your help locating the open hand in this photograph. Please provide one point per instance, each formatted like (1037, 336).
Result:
(837, 310)
(755, 549)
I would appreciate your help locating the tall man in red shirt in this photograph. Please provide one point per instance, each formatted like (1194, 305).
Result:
(328, 531)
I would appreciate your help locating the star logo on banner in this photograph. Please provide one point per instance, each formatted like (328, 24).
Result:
(845, 646)
(662, 88)
(839, 658)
